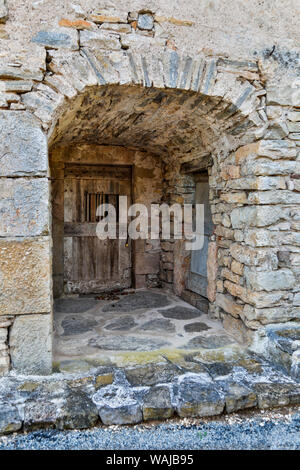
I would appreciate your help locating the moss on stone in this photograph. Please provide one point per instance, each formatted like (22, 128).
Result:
(104, 379)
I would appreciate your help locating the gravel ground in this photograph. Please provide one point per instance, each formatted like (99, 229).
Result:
(278, 429)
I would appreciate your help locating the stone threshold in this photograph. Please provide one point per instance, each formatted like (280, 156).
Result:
(110, 395)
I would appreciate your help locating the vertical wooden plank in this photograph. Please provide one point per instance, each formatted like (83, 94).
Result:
(87, 206)
(68, 259)
(95, 262)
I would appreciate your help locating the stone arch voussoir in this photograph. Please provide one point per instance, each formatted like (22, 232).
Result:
(236, 91)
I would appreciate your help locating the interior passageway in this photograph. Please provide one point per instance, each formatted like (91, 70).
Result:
(154, 146)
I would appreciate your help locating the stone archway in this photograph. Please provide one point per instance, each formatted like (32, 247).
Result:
(185, 109)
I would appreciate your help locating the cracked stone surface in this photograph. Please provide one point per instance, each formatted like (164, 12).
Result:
(74, 325)
(196, 327)
(211, 342)
(121, 324)
(158, 325)
(137, 301)
(180, 313)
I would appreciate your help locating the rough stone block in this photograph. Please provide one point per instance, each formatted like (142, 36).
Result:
(145, 21)
(116, 28)
(77, 24)
(277, 130)
(236, 290)
(265, 167)
(268, 299)
(16, 86)
(274, 197)
(31, 344)
(99, 40)
(151, 374)
(294, 126)
(24, 276)
(237, 268)
(282, 94)
(229, 172)
(295, 365)
(5, 322)
(261, 183)
(41, 413)
(262, 257)
(24, 145)
(224, 232)
(157, 403)
(196, 397)
(276, 394)
(254, 317)
(296, 185)
(110, 16)
(10, 419)
(235, 198)
(61, 85)
(293, 116)
(43, 102)
(228, 274)
(22, 60)
(269, 280)
(62, 38)
(109, 66)
(297, 299)
(238, 329)
(227, 303)
(24, 207)
(78, 410)
(238, 397)
(75, 68)
(255, 216)
(117, 405)
(103, 380)
(3, 335)
(4, 362)
(262, 238)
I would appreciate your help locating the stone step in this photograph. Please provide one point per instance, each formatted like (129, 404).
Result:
(116, 396)
(283, 347)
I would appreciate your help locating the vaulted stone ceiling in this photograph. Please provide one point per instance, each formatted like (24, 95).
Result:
(154, 120)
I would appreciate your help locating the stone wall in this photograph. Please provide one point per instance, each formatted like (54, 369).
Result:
(253, 259)
(144, 77)
(25, 263)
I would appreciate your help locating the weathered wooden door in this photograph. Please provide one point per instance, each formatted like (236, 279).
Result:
(90, 264)
(197, 281)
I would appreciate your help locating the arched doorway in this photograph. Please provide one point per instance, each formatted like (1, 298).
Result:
(166, 138)
(179, 119)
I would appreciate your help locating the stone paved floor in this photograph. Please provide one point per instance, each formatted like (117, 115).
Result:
(137, 327)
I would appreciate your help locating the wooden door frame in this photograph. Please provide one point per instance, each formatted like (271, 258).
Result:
(196, 169)
(58, 176)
